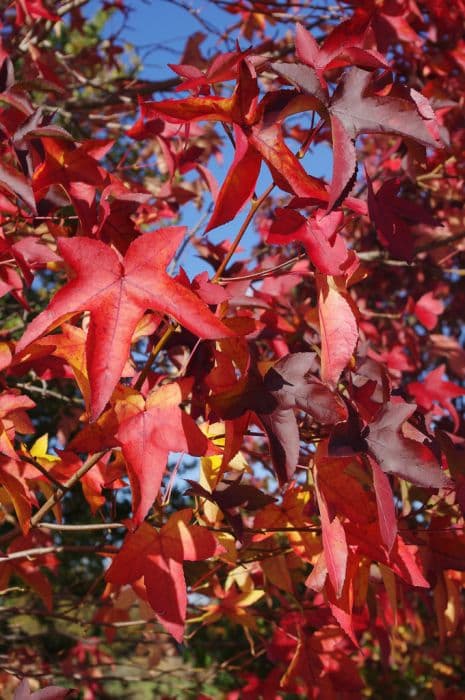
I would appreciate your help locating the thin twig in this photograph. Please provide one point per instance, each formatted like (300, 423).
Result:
(153, 353)
(85, 527)
(256, 204)
(48, 393)
(59, 493)
(35, 463)
(262, 273)
(57, 549)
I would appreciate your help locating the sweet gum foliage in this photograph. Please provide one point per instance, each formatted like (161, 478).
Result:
(251, 483)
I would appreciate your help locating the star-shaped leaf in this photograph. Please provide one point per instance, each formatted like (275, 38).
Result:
(158, 557)
(290, 384)
(149, 435)
(387, 440)
(117, 291)
(356, 109)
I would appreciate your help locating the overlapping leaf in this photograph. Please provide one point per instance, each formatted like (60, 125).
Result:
(320, 235)
(258, 135)
(346, 45)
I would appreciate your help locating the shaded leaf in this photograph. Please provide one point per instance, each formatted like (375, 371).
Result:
(386, 509)
(290, 384)
(334, 543)
(401, 455)
(384, 439)
(355, 109)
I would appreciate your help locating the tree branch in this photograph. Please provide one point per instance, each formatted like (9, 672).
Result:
(85, 527)
(57, 549)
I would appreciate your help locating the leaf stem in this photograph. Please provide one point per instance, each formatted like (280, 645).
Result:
(153, 353)
(263, 273)
(256, 204)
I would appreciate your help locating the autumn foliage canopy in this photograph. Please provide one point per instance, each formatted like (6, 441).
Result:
(242, 477)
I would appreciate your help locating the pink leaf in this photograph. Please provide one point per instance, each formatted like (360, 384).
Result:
(338, 330)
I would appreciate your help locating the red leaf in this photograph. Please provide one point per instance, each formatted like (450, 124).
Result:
(158, 556)
(16, 183)
(65, 163)
(14, 483)
(32, 255)
(185, 542)
(334, 544)
(433, 392)
(354, 110)
(405, 558)
(149, 436)
(326, 248)
(385, 503)
(52, 692)
(338, 330)
(32, 9)
(385, 439)
(166, 593)
(427, 309)
(393, 218)
(191, 109)
(286, 168)
(290, 384)
(263, 125)
(401, 455)
(239, 183)
(343, 46)
(117, 292)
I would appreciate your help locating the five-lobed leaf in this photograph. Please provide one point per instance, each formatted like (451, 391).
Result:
(147, 438)
(117, 292)
(158, 556)
(400, 455)
(290, 384)
(354, 109)
(385, 439)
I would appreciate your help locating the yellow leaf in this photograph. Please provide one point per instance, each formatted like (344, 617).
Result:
(39, 450)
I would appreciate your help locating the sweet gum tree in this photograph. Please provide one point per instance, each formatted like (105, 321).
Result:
(250, 483)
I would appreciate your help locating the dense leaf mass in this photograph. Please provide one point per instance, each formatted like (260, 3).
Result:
(233, 469)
